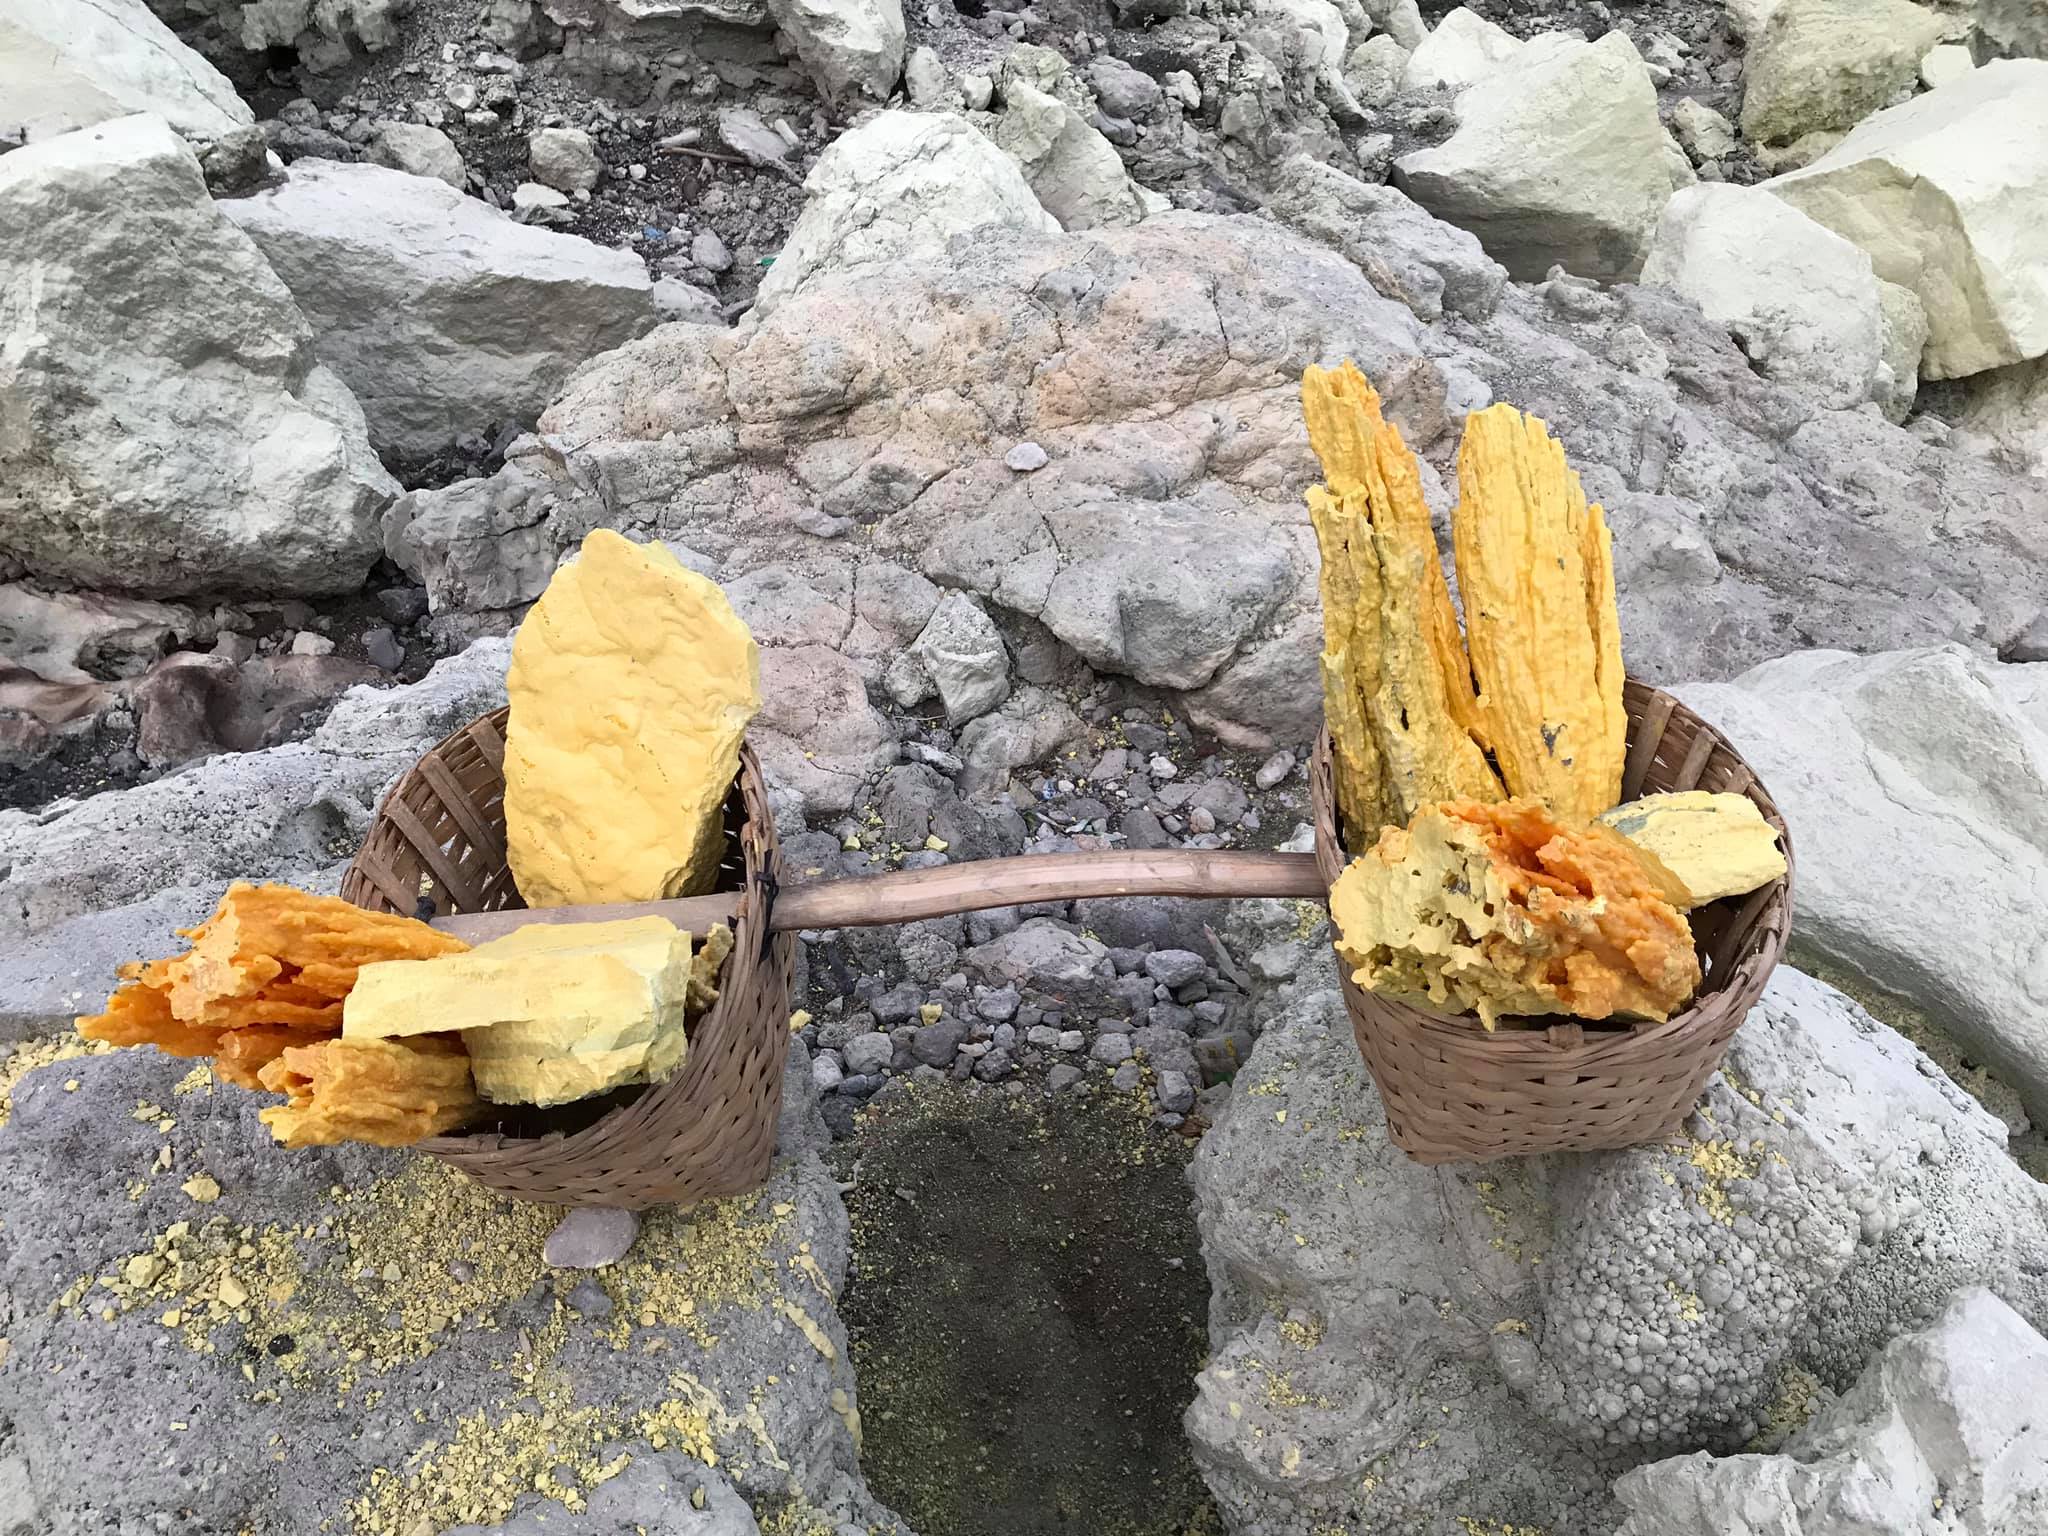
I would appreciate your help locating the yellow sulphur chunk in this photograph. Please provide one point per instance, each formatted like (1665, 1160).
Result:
(1716, 845)
(553, 1012)
(632, 685)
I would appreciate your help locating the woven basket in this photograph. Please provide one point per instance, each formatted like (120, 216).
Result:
(1455, 1093)
(709, 1130)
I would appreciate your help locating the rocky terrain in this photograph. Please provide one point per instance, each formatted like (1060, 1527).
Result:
(961, 345)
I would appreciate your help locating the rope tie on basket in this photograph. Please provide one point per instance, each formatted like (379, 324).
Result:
(768, 888)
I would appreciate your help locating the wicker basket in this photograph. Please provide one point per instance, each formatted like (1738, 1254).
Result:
(707, 1131)
(1455, 1093)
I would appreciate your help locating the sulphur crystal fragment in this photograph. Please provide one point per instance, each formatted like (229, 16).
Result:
(1716, 845)
(390, 1093)
(632, 684)
(550, 1013)
(1510, 909)
(1536, 574)
(1398, 690)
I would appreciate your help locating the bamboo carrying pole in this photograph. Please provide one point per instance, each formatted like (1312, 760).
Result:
(908, 895)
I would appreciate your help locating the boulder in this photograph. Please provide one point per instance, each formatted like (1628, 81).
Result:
(1308, 40)
(72, 637)
(896, 189)
(1802, 302)
(1828, 64)
(818, 738)
(171, 428)
(1494, 1343)
(1916, 787)
(2004, 412)
(305, 805)
(1463, 49)
(1701, 131)
(418, 150)
(489, 545)
(850, 47)
(714, 1343)
(1031, 727)
(1946, 1430)
(441, 313)
(1073, 171)
(68, 64)
(194, 705)
(1944, 192)
(1558, 160)
(1426, 264)
(1374, 71)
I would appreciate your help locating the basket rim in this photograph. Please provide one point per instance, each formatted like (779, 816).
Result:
(1599, 1039)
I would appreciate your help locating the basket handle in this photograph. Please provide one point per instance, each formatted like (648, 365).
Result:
(866, 901)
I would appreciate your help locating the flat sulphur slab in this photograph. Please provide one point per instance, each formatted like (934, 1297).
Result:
(1717, 845)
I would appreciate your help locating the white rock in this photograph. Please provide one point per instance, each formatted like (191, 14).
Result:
(531, 195)
(311, 643)
(1948, 193)
(1075, 173)
(925, 79)
(1953, 1418)
(2004, 412)
(1916, 787)
(1827, 64)
(1374, 70)
(1748, 18)
(419, 150)
(1464, 49)
(1943, 63)
(67, 64)
(900, 185)
(1025, 457)
(976, 91)
(444, 315)
(675, 299)
(1704, 133)
(1801, 300)
(563, 158)
(1313, 39)
(169, 426)
(964, 654)
(850, 47)
(1558, 159)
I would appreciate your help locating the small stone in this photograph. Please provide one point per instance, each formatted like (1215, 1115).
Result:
(1127, 1077)
(1063, 1075)
(1070, 1040)
(1026, 457)
(924, 77)
(530, 195)
(1161, 769)
(307, 643)
(1174, 967)
(868, 1053)
(1182, 84)
(994, 1066)
(1200, 819)
(592, 1237)
(1175, 1093)
(860, 1085)
(1110, 1049)
(996, 1004)
(589, 1299)
(201, 1188)
(709, 252)
(826, 1072)
(564, 158)
(383, 649)
(1274, 770)
(936, 1044)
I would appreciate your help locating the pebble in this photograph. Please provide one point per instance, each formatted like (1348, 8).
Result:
(589, 1299)
(1026, 457)
(1063, 1076)
(1127, 1077)
(868, 1053)
(1045, 1036)
(996, 1004)
(1200, 820)
(1161, 769)
(1070, 1040)
(531, 194)
(591, 1238)
(1274, 769)
(709, 252)
(306, 643)
(1110, 1049)
(1176, 1093)
(383, 649)
(860, 1085)
(1174, 967)
(826, 1072)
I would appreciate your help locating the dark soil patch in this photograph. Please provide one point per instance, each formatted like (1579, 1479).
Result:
(1027, 1315)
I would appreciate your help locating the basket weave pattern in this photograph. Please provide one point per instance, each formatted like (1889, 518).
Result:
(1456, 1093)
(709, 1129)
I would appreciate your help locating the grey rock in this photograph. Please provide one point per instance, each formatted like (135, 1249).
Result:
(192, 706)
(1063, 1076)
(963, 654)
(1174, 967)
(1047, 957)
(1030, 726)
(850, 47)
(1225, 802)
(1166, 1049)
(1704, 133)
(1274, 770)
(1220, 1057)
(1558, 159)
(68, 64)
(591, 1238)
(418, 150)
(1127, 1077)
(993, 1067)
(709, 252)
(1110, 1049)
(563, 158)
(1070, 1040)
(1374, 70)
(1073, 170)
(1951, 1420)
(899, 1003)
(1025, 457)
(488, 544)
(937, 1044)
(925, 79)
(443, 315)
(1859, 1195)
(1936, 751)
(997, 1004)
(383, 649)
(141, 471)
(1123, 91)
(826, 1072)
(676, 300)
(1175, 1092)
